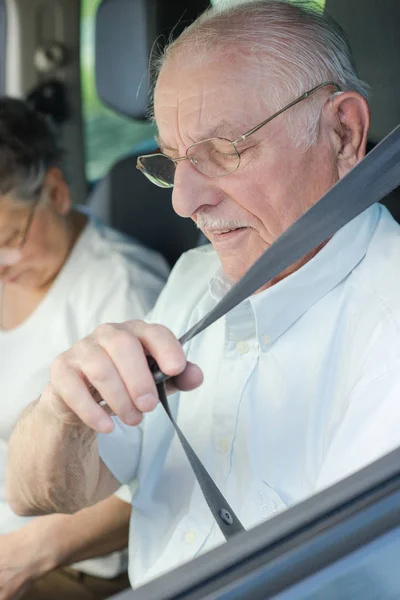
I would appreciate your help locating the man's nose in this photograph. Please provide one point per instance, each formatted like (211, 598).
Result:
(10, 256)
(192, 190)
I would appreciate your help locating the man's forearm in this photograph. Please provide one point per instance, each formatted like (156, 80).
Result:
(53, 466)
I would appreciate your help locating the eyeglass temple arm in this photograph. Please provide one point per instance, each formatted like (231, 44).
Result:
(303, 97)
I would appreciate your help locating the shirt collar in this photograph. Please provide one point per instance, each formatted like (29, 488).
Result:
(278, 307)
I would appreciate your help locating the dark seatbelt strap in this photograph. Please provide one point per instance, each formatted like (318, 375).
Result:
(227, 521)
(368, 182)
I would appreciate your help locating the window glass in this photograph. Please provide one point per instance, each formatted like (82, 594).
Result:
(370, 573)
(107, 135)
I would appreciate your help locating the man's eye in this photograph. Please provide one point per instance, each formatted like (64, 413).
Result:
(217, 152)
(227, 154)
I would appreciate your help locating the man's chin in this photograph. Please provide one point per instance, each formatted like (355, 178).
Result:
(234, 267)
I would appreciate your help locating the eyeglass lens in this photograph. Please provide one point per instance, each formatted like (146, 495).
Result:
(215, 157)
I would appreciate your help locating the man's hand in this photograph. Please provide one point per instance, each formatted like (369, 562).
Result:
(113, 361)
(60, 470)
(25, 555)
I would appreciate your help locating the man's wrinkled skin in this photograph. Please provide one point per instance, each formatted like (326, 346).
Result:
(275, 184)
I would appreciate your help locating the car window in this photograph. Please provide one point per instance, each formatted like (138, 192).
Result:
(341, 544)
(107, 135)
(370, 573)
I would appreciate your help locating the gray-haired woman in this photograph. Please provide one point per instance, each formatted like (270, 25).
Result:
(61, 274)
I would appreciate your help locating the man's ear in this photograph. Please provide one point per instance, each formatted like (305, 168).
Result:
(57, 191)
(351, 123)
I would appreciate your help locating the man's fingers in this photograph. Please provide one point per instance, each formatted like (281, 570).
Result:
(168, 353)
(111, 365)
(69, 392)
(190, 379)
(99, 366)
(127, 354)
(162, 345)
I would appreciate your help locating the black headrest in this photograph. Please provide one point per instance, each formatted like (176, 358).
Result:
(127, 201)
(126, 33)
(373, 31)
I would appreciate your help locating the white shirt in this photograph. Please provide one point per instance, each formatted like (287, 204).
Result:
(301, 388)
(107, 277)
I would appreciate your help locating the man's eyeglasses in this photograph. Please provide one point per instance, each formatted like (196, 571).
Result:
(214, 157)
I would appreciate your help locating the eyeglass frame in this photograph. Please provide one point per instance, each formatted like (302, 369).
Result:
(234, 143)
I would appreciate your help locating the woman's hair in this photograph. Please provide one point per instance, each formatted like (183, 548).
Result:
(294, 44)
(28, 149)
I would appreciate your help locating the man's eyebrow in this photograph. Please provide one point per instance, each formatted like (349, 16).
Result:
(220, 130)
(223, 129)
(228, 130)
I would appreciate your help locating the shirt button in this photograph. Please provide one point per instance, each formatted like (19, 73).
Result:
(268, 509)
(265, 339)
(224, 445)
(189, 537)
(242, 347)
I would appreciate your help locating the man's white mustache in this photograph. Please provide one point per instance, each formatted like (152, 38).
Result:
(205, 222)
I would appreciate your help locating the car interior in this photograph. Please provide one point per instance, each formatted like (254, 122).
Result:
(347, 534)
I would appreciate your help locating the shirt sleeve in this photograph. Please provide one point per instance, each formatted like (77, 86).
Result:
(126, 492)
(369, 430)
(120, 450)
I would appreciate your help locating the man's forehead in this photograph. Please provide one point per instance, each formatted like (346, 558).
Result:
(224, 129)
(214, 99)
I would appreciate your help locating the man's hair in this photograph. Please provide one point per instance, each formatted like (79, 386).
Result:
(297, 45)
(27, 149)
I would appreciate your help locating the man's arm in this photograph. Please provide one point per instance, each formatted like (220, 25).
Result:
(53, 459)
(54, 464)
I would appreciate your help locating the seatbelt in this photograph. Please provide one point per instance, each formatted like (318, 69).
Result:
(367, 183)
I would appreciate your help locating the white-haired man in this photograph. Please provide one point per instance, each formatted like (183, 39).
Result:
(296, 387)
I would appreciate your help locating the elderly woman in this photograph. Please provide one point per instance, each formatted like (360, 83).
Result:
(61, 274)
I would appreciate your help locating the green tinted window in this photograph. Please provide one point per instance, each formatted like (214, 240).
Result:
(107, 135)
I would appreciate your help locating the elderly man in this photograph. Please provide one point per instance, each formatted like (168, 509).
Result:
(297, 386)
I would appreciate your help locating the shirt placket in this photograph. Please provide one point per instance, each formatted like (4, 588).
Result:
(239, 360)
